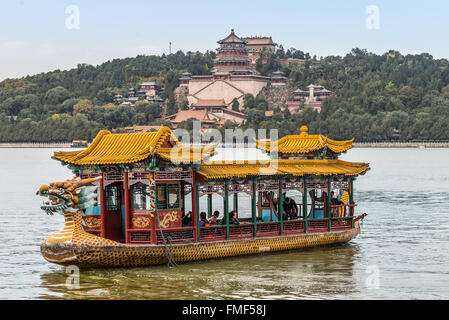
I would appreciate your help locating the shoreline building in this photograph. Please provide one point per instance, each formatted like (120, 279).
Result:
(148, 91)
(198, 115)
(137, 129)
(218, 111)
(209, 112)
(292, 61)
(312, 98)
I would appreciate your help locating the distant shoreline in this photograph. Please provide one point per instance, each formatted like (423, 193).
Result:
(64, 145)
(35, 145)
(401, 144)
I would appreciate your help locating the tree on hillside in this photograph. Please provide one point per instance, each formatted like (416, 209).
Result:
(171, 82)
(172, 106)
(373, 95)
(235, 105)
(445, 92)
(57, 95)
(85, 107)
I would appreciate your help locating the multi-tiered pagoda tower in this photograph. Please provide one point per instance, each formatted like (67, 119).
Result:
(232, 77)
(232, 57)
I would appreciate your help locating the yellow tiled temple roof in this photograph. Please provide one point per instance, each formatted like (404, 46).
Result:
(185, 154)
(304, 143)
(108, 148)
(298, 168)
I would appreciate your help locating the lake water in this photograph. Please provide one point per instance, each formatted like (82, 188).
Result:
(401, 253)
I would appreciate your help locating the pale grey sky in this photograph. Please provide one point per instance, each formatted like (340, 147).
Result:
(34, 36)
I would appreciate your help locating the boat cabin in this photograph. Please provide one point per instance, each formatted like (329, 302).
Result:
(156, 190)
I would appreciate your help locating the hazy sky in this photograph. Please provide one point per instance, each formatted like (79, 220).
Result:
(34, 36)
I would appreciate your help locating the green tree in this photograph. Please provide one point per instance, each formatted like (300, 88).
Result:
(235, 105)
(85, 107)
(57, 95)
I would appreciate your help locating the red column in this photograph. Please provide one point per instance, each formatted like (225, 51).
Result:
(153, 235)
(194, 207)
(102, 207)
(127, 205)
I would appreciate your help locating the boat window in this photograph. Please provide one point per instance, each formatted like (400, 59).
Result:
(112, 198)
(140, 200)
(167, 196)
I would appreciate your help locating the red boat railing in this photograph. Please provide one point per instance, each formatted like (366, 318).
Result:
(341, 218)
(241, 231)
(139, 235)
(175, 235)
(266, 229)
(341, 223)
(294, 227)
(318, 225)
(213, 233)
(344, 210)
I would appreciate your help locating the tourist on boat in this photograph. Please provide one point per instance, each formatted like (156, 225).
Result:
(290, 209)
(214, 219)
(204, 222)
(187, 219)
(335, 201)
(272, 202)
(233, 218)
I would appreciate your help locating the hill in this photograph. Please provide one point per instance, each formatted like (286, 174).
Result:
(377, 97)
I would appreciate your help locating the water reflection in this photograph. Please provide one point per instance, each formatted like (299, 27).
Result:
(309, 273)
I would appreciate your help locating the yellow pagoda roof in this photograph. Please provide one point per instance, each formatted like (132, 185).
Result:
(303, 143)
(297, 168)
(108, 148)
(183, 154)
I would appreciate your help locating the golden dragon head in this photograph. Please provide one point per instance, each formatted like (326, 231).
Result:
(71, 195)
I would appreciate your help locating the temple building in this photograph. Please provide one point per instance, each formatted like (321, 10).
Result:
(218, 111)
(150, 88)
(148, 91)
(292, 61)
(312, 98)
(198, 115)
(137, 129)
(232, 57)
(232, 77)
(278, 79)
(209, 112)
(256, 45)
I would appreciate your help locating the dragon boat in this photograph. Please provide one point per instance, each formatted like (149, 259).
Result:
(132, 195)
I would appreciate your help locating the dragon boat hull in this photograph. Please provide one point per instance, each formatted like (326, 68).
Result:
(86, 250)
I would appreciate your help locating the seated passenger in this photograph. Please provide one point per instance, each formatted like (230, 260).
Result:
(290, 209)
(204, 222)
(335, 201)
(233, 218)
(214, 218)
(186, 219)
